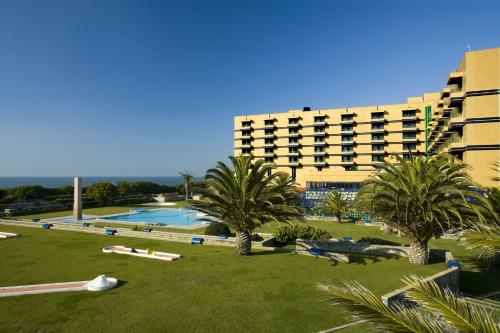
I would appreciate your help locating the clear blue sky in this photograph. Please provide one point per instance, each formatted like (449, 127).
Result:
(151, 87)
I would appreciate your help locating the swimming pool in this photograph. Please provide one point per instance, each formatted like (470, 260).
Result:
(164, 216)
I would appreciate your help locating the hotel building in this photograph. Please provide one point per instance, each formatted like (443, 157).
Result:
(339, 148)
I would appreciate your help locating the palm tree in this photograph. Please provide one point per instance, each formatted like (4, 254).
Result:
(438, 311)
(422, 197)
(335, 204)
(244, 197)
(188, 179)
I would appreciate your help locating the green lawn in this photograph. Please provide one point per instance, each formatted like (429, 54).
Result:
(208, 290)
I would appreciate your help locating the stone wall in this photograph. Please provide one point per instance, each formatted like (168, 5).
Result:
(449, 278)
(346, 246)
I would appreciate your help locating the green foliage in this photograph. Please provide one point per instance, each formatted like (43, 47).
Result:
(244, 197)
(422, 197)
(28, 192)
(66, 190)
(335, 204)
(3, 194)
(101, 191)
(290, 232)
(440, 310)
(138, 228)
(216, 228)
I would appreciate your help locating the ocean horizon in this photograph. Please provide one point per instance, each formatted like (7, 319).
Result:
(50, 182)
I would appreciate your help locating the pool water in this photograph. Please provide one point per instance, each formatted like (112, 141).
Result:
(164, 216)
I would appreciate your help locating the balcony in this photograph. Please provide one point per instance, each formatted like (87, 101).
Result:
(293, 135)
(269, 126)
(409, 129)
(319, 143)
(319, 122)
(347, 152)
(347, 162)
(296, 153)
(446, 92)
(319, 153)
(347, 121)
(378, 130)
(377, 120)
(319, 133)
(246, 126)
(347, 131)
(455, 78)
(269, 136)
(409, 139)
(293, 125)
(269, 154)
(293, 144)
(246, 135)
(293, 164)
(246, 145)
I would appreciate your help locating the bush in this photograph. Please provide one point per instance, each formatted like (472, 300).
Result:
(216, 228)
(290, 232)
(138, 228)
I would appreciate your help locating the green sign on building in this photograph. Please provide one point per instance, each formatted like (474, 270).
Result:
(428, 110)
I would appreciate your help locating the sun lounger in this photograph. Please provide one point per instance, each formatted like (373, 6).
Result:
(47, 225)
(316, 251)
(111, 232)
(197, 240)
(222, 235)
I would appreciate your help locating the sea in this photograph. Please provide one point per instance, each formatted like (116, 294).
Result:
(8, 182)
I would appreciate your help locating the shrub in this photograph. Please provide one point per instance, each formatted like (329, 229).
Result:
(288, 233)
(138, 228)
(216, 228)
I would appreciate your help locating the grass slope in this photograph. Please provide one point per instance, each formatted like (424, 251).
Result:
(209, 290)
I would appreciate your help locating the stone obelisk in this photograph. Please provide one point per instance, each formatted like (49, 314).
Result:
(77, 203)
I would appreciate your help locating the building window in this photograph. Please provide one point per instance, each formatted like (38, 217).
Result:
(409, 113)
(269, 122)
(246, 133)
(269, 141)
(377, 137)
(293, 150)
(293, 131)
(347, 158)
(320, 149)
(409, 135)
(377, 158)
(245, 142)
(246, 150)
(269, 150)
(409, 124)
(319, 119)
(269, 159)
(293, 159)
(377, 115)
(346, 117)
(319, 139)
(409, 146)
(319, 159)
(407, 157)
(346, 138)
(377, 147)
(377, 127)
(346, 148)
(319, 129)
(246, 123)
(346, 128)
(293, 121)
(269, 132)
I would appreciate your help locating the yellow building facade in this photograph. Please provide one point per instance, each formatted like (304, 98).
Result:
(339, 148)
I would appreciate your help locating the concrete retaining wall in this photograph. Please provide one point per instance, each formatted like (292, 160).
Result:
(160, 235)
(449, 278)
(343, 246)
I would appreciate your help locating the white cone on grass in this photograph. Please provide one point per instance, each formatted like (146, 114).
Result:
(101, 283)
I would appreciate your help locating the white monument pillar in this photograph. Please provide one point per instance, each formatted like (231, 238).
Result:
(77, 203)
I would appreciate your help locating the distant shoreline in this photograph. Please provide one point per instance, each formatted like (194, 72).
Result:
(51, 182)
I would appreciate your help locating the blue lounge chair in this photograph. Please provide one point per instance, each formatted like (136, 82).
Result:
(148, 230)
(316, 251)
(197, 240)
(47, 225)
(86, 224)
(35, 220)
(111, 232)
(454, 263)
(222, 235)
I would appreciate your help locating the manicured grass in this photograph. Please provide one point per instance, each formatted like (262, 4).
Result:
(208, 290)
(475, 279)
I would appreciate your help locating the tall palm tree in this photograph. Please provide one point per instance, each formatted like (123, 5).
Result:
(244, 197)
(422, 197)
(438, 311)
(335, 204)
(188, 179)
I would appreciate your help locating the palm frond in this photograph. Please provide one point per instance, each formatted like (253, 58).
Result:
(455, 310)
